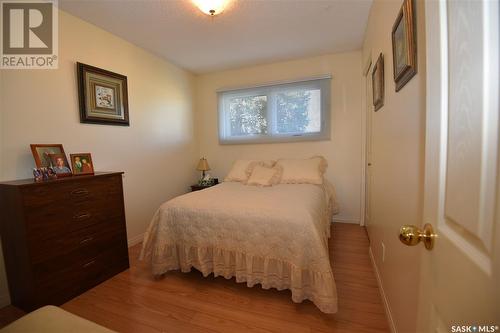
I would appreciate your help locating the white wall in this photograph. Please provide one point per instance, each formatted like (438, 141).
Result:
(343, 151)
(158, 152)
(397, 166)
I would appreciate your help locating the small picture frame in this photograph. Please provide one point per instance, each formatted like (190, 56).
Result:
(103, 96)
(41, 153)
(378, 83)
(404, 45)
(82, 164)
(60, 165)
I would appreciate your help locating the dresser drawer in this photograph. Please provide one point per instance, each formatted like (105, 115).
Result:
(61, 219)
(92, 239)
(72, 193)
(80, 276)
(63, 267)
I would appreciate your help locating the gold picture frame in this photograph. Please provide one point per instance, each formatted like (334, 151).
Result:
(404, 45)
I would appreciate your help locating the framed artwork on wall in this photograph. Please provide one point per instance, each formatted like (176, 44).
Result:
(378, 83)
(103, 96)
(404, 45)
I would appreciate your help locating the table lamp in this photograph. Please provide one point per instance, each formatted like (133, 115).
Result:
(203, 166)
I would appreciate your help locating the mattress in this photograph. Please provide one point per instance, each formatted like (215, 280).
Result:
(273, 236)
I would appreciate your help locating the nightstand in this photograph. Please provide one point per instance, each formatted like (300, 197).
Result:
(198, 187)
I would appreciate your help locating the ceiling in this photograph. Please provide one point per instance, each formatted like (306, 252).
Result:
(248, 32)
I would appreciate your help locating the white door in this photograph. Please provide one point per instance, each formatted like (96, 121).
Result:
(460, 276)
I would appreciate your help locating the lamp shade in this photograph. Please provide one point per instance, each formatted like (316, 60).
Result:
(211, 7)
(203, 165)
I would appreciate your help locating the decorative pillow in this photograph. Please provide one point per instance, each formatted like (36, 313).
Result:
(242, 169)
(265, 176)
(303, 171)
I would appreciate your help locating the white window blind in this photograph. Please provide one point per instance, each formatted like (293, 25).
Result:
(295, 111)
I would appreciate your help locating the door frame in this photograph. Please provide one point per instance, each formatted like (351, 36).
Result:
(367, 65)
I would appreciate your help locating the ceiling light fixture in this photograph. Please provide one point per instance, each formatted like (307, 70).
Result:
(211, 7)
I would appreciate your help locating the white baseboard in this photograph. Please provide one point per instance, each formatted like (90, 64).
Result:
(135, 240)
(382, 293)
(345, 220)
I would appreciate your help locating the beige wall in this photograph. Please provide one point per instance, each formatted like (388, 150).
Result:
(157, 152)
(397, 165)
(343, 151)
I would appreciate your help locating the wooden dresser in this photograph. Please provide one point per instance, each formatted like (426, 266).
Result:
(61, 237)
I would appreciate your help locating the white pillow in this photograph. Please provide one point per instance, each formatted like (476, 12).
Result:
(242, 169)
(265, 176)
(303, 171)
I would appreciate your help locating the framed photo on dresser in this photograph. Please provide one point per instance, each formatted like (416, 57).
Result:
(81, 164)
(41, 154)
(60, 165)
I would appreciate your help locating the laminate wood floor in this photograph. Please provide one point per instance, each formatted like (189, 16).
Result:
(133, 301)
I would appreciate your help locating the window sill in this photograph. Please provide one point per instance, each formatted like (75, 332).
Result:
(267, 140)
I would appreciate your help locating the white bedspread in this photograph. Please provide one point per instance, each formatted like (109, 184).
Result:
(276, 236)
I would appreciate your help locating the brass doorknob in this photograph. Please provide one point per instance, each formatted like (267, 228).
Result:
(412, 235)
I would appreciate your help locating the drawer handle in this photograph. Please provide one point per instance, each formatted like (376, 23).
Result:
(80, 192)
(86, 240)
(82, 216)
(90, 263)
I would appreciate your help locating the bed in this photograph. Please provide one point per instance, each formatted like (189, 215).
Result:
(275, 236)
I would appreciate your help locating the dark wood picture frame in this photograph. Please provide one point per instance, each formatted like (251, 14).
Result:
(41, 162)
(378, 84)
(404, 45)
(90, 112)
(75, 168)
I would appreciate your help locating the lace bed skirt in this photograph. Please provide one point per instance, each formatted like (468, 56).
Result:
(319, 287)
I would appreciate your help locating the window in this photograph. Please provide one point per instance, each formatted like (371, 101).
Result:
(276, 113)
